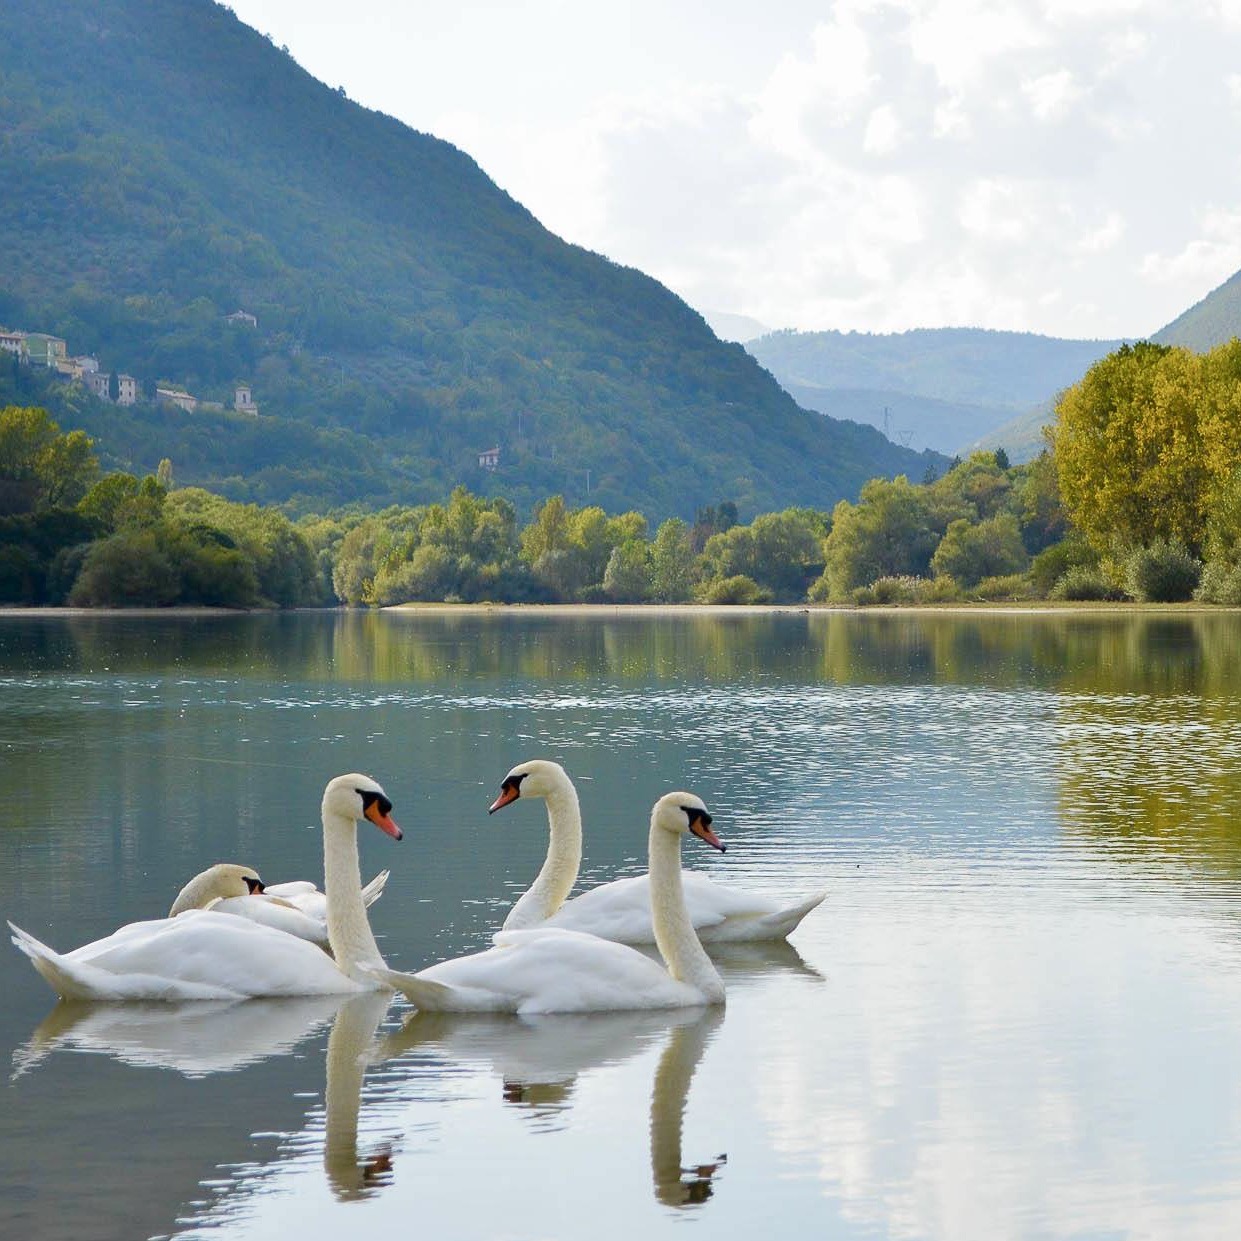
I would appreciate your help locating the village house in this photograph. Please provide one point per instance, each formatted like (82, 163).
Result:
(178, 397)
(126, 390)
(97, 381)
(489, 460)
(14, 342)
(242, 316)
(45, 350)
(243, 401)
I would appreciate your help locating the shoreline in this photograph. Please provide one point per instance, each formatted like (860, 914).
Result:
(617, 610)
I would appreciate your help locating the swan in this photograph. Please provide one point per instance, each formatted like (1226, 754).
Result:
(551, 970)
(204, 955)
(297, 907)
(621, 910)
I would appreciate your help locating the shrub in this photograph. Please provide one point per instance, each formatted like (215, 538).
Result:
(1053, 562)
(1221, 583)
(738, 589)
(906, 589)
(1007, 586)
(1164, 572)
(1084, 585)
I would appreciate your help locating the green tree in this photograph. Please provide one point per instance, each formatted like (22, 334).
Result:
(672, 563)
(967, 553)
(40, 464)
(627, 578)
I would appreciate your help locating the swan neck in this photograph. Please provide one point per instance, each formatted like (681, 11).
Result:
(678, 943)
(555, 880)
(197, 894)
(348, 928)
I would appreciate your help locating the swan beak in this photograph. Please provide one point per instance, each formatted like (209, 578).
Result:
(703, 832)
(382, 821)
(508, 793)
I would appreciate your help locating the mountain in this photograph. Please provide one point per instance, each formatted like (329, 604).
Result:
(919, 422)
(944, 388)
(1213, 321)
(165, 167)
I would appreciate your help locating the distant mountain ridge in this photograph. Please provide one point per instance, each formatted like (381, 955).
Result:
(165, 166)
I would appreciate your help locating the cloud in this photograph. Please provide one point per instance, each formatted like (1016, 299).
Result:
(1052, 165)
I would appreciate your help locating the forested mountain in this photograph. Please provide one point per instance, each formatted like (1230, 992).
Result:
(968, 381)
(164, 165)
(1213, 321)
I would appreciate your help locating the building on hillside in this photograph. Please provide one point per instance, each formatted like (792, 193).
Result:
(126, 390)
(178, 397)
(242, 316)
(489, 460)
(45, 350)
(97, 382)
(15, 343)
(82, 366)
(243, 400)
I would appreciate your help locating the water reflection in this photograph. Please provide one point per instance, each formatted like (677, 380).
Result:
(348, 1052)
(195, 1039)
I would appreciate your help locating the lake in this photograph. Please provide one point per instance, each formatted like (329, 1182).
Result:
(1015, 1016)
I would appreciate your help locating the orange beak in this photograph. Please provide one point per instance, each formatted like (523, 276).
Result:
(508, 793)
(703, 832)
(382, 821)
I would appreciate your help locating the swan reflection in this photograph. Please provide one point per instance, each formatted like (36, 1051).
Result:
(195, 1038)
(348, 1055)
(540, 1059)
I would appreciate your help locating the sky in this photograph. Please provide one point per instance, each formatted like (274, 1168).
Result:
(1068, 167)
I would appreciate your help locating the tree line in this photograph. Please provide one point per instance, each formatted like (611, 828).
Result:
(1138, 495)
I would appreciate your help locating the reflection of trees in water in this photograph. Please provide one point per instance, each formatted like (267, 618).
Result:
(1153, 778)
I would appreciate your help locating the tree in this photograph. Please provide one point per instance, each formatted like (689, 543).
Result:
(1129, 448)
(672, 563)
(892, 531)
(50, 469)
(627, 578)
(967, 553)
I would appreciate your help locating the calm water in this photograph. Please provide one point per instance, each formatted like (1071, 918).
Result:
(1016, 1016)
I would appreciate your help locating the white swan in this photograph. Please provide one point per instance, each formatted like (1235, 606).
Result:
(296, 907)
(204, 955)
(549, 970)
(621, 910)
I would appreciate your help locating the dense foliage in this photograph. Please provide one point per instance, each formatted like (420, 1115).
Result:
(165, 165)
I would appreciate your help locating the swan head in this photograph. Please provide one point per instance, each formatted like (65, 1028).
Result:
(684, 814)
(539, 777)
(355, 797)
(218, 882)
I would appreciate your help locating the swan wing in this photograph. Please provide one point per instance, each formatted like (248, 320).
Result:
(199, 955)
(546, 970)
(277, 913)
(621, 911)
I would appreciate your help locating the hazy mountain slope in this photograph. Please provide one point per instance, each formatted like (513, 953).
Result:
(970, 365)
(1213, 321)
(163, 165)
(918, 422)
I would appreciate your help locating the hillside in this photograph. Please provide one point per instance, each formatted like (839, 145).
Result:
(1213, 321)
(164, 165)
(919, 422)
(968, 382)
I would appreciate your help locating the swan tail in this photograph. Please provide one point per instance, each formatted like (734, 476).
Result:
(777, 925)
(375, 889)
(431, 997)
(68, 979)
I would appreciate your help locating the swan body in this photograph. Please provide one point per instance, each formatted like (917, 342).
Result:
(550, 970)
(621, 910)
(297, 908)
(206, 955)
